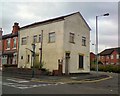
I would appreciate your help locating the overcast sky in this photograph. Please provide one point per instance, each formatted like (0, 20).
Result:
(29, 12)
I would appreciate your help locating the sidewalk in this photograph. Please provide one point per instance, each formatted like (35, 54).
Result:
(73, 78)
(78, 78)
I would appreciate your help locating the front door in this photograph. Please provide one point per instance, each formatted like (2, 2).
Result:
(67, 55)
(81, 61)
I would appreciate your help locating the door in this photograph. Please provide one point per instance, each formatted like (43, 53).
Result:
(81, 60)
(67, 55)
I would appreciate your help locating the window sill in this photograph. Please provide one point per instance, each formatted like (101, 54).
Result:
(8, 49)
(72, 42)
(84, 45)
(23, 44)
(80, 68)
(14, 48)
(51, 42)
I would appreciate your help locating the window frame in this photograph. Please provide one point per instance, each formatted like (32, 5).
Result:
(40, 38)
(51, 40)
(72, 37)
(23, 40)
(83, 41)
(8, 44)
(35, 39)
(14, 42)
(112, 56)
(117, 56)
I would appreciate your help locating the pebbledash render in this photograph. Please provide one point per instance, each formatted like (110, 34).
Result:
(65, 42)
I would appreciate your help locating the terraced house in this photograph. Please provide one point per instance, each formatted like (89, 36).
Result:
(10, 46)
(110, 56)
(65, 44)
(1, 48)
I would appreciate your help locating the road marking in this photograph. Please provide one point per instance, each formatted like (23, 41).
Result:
(20, 83)
(18, 80)
(23, 86)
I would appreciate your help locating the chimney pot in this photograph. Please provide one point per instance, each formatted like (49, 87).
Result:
(16, 23)
(15, 27)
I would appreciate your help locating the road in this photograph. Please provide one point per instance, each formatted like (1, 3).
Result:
(12, 85)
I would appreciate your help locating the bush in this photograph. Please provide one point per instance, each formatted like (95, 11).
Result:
(107, 68)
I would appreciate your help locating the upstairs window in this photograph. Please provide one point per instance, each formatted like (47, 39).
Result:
(24, 41)
(14, 42)
(83, 41)
(8, 43)
(72, 37)
(52, 37)
(117, 56)
(107, 57)
(40, 38)
(112, 57)
(35, 39)
(102, 57)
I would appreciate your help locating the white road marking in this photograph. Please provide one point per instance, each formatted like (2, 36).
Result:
(18, 80)
(24, 86)
(20, 83)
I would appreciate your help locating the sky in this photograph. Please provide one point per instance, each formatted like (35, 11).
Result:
(27, 12)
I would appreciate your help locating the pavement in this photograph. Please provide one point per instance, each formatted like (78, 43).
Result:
(102, 83)
(93, 76)
(76, 78)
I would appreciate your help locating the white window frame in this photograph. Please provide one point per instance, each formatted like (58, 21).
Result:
(52, 37)
(107, 57)
(102, 57)
(117, 56)
(83, 41)
(14, 45)
(23, 40)
(7, 44)
(72, 37)
(40, 38)
(112, 57)
(35, 39)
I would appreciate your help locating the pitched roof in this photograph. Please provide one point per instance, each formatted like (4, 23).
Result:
(109, 51)
(54, 19)
(92, 53)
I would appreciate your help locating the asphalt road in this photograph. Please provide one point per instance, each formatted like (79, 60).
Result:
(12, 85)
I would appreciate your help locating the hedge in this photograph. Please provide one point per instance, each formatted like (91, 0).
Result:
(107, 68)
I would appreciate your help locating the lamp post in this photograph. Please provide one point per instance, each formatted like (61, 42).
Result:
(97, 39)
(33, 55)
(41, 49)
(94, 52)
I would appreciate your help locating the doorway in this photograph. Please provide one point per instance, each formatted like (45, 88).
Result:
(67, 59)
(81, 60)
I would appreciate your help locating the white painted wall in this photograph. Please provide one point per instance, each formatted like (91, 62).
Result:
(54, 51)
(76, 25)
(51, 51)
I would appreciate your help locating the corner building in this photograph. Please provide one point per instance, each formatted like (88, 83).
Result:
(65, 44)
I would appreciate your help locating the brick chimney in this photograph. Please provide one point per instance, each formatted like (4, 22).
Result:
(15, 27)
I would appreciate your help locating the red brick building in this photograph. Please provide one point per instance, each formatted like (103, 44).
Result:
(10, 46)
(110, 56)
(92, 57)
(1, 48)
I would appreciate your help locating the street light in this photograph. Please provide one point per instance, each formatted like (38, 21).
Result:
(97, 39)
(33, 55)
